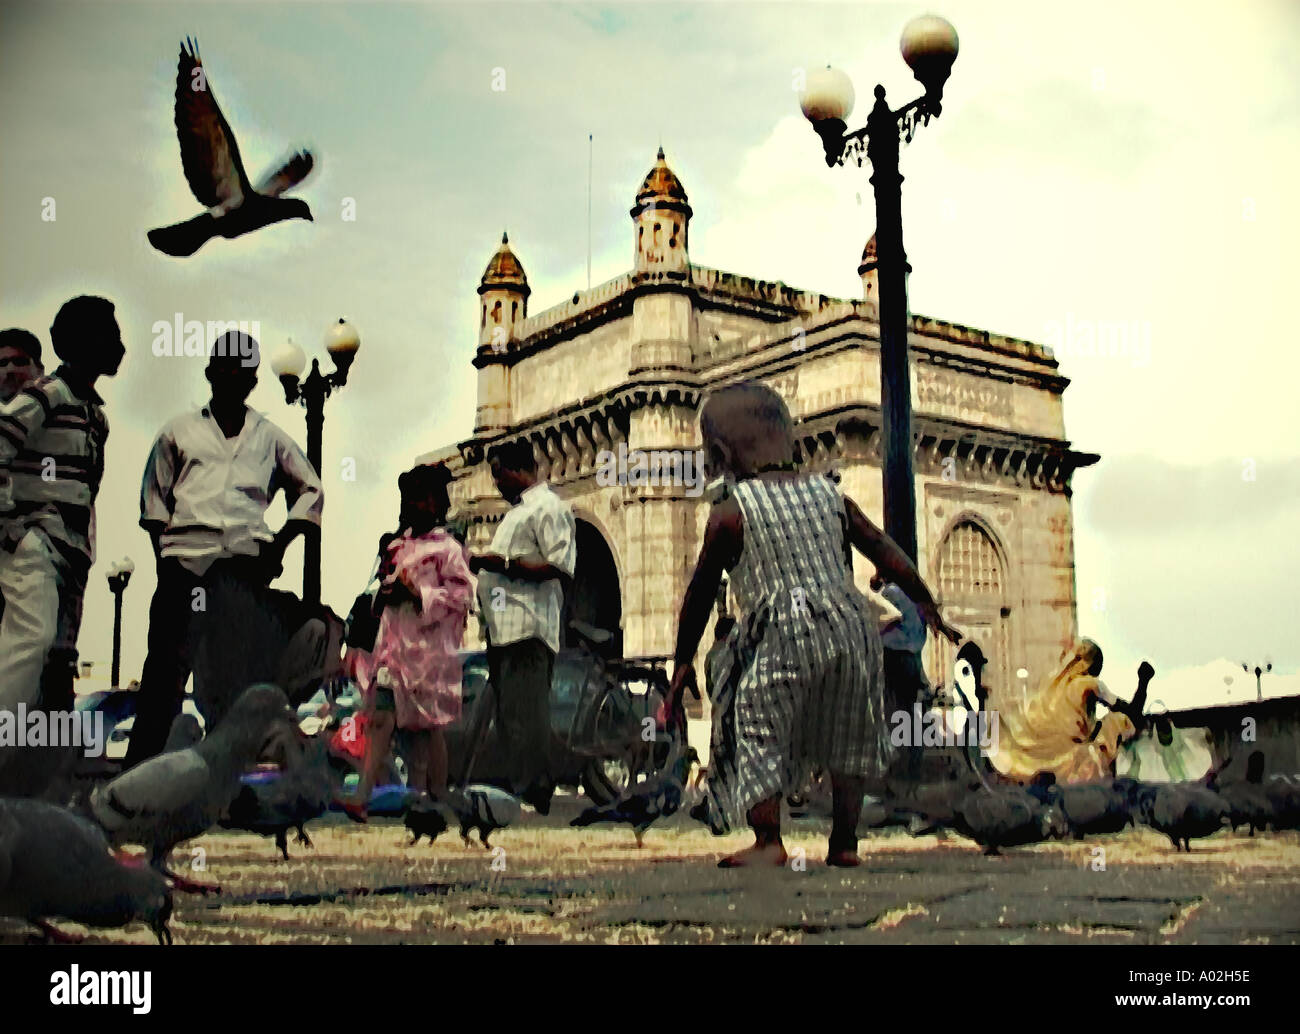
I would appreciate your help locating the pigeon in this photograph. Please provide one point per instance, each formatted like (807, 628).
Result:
(1248, 805)
(57, 865)
(423, 818)
(1008, 816)
(288, 799)
(185, 732)
(215, 172)
(174, 797)
(1089, 809)
(657, 798)
(1182, 811)
(1247, 800)
(482, 807)
(934, 802)
(1283, 794)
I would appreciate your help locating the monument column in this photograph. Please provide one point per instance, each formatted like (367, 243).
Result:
(662, 436)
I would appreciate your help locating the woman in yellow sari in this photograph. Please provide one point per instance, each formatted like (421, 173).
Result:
(1054, 730)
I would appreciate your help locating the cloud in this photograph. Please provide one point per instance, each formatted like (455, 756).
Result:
(1148, 497)
(1162, 198)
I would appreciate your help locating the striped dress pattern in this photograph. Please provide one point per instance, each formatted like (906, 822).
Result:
(798, 683)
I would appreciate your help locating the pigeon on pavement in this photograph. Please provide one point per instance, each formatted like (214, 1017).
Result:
(482, 807)
(56, 865)
(1008, 816)
(1283, 794)
(659, 797)
(215, 172)
(424, 819)
(1089, 808)
(1095, 808)
(1182, 811)
(1247, 800)
(174, 797)
(287, 800)
(185, 732)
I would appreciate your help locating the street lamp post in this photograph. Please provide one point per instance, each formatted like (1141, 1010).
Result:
(118, 575)
(1259, 676)
(342, 342)
(929, 46)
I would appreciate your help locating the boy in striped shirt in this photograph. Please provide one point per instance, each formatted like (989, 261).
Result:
(52, 436)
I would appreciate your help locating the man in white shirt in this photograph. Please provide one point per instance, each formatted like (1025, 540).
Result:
(209, 480)
(521, 599)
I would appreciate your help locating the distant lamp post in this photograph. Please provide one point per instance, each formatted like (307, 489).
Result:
(1259, 673)
(341, 342)
(1023, 675)
(929, 46)
(118, 575)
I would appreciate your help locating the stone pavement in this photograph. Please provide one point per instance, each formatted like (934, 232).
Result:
(549, 883)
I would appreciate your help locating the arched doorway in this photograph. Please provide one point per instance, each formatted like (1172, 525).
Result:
(971, 581)
(596, 597)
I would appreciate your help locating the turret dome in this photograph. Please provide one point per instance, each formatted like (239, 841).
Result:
(504, 270)
(662, 189)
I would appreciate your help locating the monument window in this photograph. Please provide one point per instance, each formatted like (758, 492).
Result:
(969, 565)
(972, 582)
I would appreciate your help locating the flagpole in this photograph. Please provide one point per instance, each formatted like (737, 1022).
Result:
(589, 150)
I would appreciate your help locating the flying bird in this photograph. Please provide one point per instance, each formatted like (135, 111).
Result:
(177, 796)
(215, 172)
(56, 865)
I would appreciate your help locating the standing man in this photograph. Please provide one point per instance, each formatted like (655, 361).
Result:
(905, 679)
(20, 361)
(20, 364)
(521, 598)
(208, 483)
(52, 436)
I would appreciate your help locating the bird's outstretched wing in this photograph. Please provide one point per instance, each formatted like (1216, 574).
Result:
(294, 170)
(209, 153)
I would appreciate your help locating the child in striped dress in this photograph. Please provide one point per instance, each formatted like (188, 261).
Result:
(800, 684)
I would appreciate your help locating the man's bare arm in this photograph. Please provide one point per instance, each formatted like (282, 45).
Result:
(895, 566)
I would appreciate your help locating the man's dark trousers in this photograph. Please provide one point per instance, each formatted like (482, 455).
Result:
(178, 619)
(904, 682)
(521, 678)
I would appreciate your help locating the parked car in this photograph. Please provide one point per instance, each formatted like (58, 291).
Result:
(119, 718)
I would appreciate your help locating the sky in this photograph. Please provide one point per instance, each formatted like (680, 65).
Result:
(1124, 167)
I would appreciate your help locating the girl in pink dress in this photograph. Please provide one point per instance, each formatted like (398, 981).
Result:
(411, 679)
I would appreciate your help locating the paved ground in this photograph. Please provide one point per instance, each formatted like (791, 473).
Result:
(556, 884)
